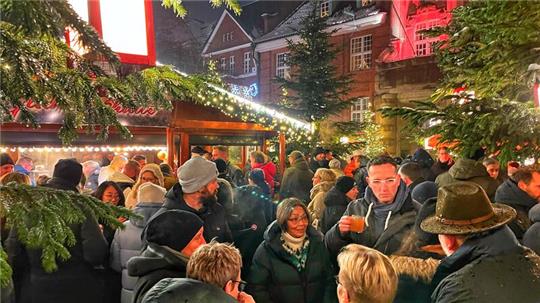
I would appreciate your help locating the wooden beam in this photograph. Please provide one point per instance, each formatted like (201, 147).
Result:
(185, 153)
(170, 148)
(243, 151)
(53, 128)
(264, 147)
(282, 153)
(183, 124)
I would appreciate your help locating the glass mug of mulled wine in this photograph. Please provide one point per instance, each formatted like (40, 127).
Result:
(357, 224)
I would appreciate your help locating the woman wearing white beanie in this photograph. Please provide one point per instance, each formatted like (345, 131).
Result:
(127, 242)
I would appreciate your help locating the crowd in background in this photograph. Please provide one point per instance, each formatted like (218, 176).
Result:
(326, 229)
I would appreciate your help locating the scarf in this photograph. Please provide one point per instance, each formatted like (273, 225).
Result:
(296, 248)
(382, 211)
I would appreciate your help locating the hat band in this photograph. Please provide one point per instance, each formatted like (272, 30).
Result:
(467, 222)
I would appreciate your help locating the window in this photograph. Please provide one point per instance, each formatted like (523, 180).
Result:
(223, 64)
(325, 8)
(361, 53)
(227, 36)
(424, 44)
(247, 63)
(231, 64)
(282, 68)
(359, 109)
(366, 2)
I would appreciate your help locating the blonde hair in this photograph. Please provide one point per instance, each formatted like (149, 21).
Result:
(15, 177)
(131, 199)
(215, 263)
(326, 175)
(367, 275)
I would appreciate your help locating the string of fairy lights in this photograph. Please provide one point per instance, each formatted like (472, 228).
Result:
(87, 148)
(212, 96)
(235, 106)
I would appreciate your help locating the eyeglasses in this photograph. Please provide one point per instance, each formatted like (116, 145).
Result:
(298, 219)
(241, 285)
(384, 181)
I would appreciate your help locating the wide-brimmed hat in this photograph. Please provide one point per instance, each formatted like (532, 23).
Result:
(464, 208)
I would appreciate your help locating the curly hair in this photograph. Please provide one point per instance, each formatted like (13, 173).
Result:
(215, 263)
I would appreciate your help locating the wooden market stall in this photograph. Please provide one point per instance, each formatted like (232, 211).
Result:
(193, 124)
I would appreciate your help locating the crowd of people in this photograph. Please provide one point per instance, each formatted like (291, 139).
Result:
(325, 230)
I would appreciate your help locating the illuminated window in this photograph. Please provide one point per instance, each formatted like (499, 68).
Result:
(282, 68)
(231, 64)
(223, 64)
(361, 53)
(247, 63)
(424, 44)
(362, 3)
(227, 37)
(359, 109)
(325, 8)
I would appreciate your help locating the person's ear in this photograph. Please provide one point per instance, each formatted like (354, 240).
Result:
(342, 294)
(522, 185)
(229, 287)
(449, 244)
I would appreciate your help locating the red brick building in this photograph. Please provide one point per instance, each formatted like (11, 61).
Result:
(407, 69)
(384, 52)
(231, 42)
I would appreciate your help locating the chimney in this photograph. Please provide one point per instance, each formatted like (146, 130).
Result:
(266, 17)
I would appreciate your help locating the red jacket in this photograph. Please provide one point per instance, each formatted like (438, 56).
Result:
(269, 169)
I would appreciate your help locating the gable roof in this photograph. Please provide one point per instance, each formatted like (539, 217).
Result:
(341, 14)
(216, 28)
(251, 19)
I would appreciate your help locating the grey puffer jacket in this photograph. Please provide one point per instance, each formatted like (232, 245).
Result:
(127, 244)
(384, 231)
(531, 238)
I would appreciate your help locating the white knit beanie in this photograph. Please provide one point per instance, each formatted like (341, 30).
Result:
(196, 173)
(150, 192)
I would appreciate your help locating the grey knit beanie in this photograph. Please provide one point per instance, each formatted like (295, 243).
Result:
(196, 173)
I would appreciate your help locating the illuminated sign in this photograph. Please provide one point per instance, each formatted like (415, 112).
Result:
(245, 91)
(126, 26)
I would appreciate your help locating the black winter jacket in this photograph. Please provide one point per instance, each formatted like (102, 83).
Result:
(186, 291)
(273, 278)
(491, 268)
(336, 203)
(387, 241)
(249, 221)
(510, 194)
(76, 280)
(213, 216)
(156, 262)
(531, 238)
(297, 182)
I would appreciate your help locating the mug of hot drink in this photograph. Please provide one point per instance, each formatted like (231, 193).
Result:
(357, 224)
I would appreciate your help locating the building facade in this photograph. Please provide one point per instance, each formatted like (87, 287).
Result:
(382, 48)
(231, 43)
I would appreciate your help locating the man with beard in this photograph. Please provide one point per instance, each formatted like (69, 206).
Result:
(196, 192)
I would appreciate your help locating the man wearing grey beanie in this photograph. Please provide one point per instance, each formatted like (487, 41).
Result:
(196, 192)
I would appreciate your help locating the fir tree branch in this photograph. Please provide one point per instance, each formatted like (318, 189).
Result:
(42, 217)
